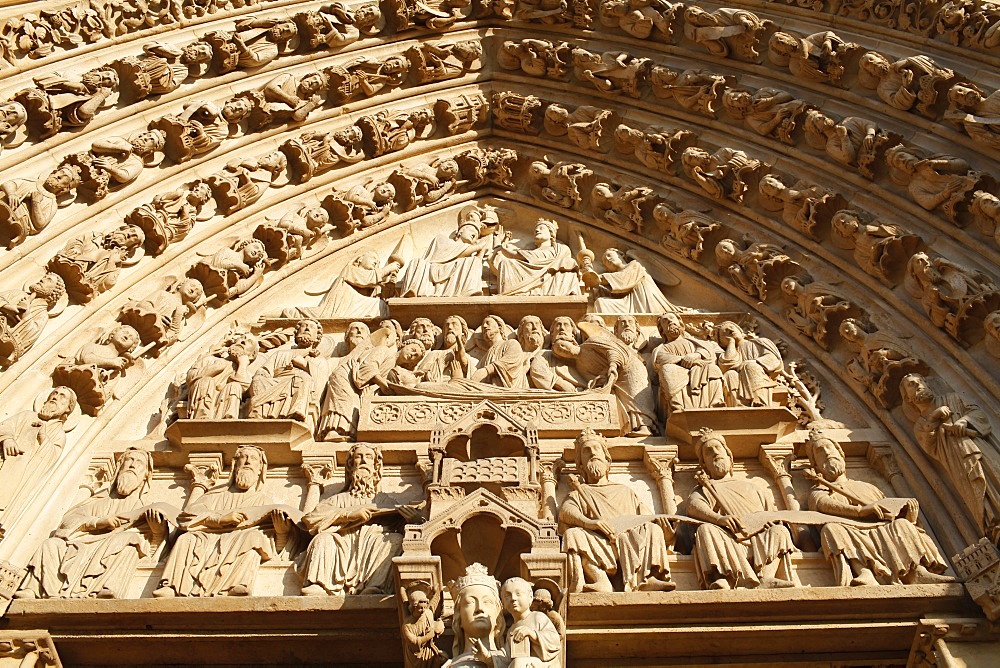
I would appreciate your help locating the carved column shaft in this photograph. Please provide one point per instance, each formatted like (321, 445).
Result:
(776, 460)
(204, 469)
(660, 464)
(317, 471)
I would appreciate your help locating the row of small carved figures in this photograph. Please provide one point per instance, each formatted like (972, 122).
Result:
(727, 512)
(961, 22)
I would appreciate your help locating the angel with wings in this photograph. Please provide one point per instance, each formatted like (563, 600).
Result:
(626, 287)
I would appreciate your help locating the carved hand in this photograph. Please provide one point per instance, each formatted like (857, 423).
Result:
(873, 510)
(233, 518)
(731, 522)
(11, 449)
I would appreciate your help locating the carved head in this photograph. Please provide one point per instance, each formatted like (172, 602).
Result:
(58, 405)
(196, 53)
(447, 170)
(671, 326)
(696, 157)
(315, 217)
(469, 231)
(545, 231)
(100, 78)
(127, 237)
(367, 15)
(425, 331)
(190, 291)
(614, 9)
(63, 180)
(134, 472)
(564, 329)
(542, 601)
(239, 343)
(494, 329)
(418, 602)
(349, 136)
(846, 223)
(593, 459)
(363, 470)
(410, 354)
(737, 101)
(627, 329)
(852, 332)
(308, 333)
(817, 127)
(199, 193)
(825, 455)
(51, 288)
(356, 334)
(531, 333)
(383, 194)
(714, 455)
(872, 68)
(557, 115)
(784, 46)
(124, 338)
(312, 84)
(456, 331)
(614, 259)
(236, 109)
(730, 331)
(726, 252)
(148, 142)
(467, 51)
(283, 31)
(991, 325)
(771, 188)
(367, 260)
(965, 96)
(478, 612)
(916, 391)
(516, 595)
(249, 468)
(392, 333)
(13, 114)
(791, 287)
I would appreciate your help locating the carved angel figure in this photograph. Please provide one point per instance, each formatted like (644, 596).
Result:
(640, 18)
(767, 111)
(364, 77)
(284, 99)
(24, 313)
(880, 361)
(444, 60)
(908, 82)
(585, 126)
(387, 132)
(335, 25)
(853, 141)
(423, 185)
(432, 14)
(821, 56)
(817, 309)
(558, 183)
(626, 287)
(755, 268)
(546, 269)
(170, 216)
(298, 229)
(115, 162)
(232, 272)
(697, 91)
(955, 298)
(656, 148)
(93, 372)
(90, 264)
(243, 182)
(162, 68)
(685, 230)
(936, 181)
(201, 127)
(13, 125)
(612, 72)
(452, 265)
(725, 32)
(977, 113)
(622, 206)
(880, 249)
(723, 174)
(360, 289)
(313, 153)
(360, 206)
(254, 43)
(536, 57)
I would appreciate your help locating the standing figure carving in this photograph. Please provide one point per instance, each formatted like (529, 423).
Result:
(356, 532)
(687, 367)
(503, 363)
(606, 531)
(726, 556)
(98, 545)
(30, 445)
(227, 533)
(547, 269)
(290, 382)
(218, 381)
(893, 551)
(419, 631)
(532, 639)
(959, 437)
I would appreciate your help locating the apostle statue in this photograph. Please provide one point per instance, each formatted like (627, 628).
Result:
(98, 545)
(290, 383)
(612, 366)
(606, 528)
(452, 265)
(687, 367)
(369, 357)
(23, 314)
(546, 269)
(504, 362)
(626, 287)
(545, 371)
(749, 366)
(356, 532)
(726, 556)
(958, 436)
(217, 381)
(478, 623)
(532, 640)
(894, 550)
(227, 533)
(452, 360)
(30, 444)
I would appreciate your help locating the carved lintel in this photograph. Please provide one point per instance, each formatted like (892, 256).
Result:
(660, 463)
(204, 469)
(882, 459)
(929, 648)
(11, 578)
(776, 459)
(978, 566)
(318, 471)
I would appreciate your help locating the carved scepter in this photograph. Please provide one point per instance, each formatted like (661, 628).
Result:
(812, 476)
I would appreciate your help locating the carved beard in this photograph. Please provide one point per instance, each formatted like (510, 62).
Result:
(364, 484)
(127, 482)
(627, 336)
(246, 478)
(833, 468)
(49, 410)
(563, 337)
(596, 469)
(717, 468)
(533, 342)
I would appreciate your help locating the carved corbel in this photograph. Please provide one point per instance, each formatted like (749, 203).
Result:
(882, 459)
(660, 463)
(929, 648)
(318, 471)
(204, 469)
(777, 461)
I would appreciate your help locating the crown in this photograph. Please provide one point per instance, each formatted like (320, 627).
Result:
(475, 574)
(587, 434)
